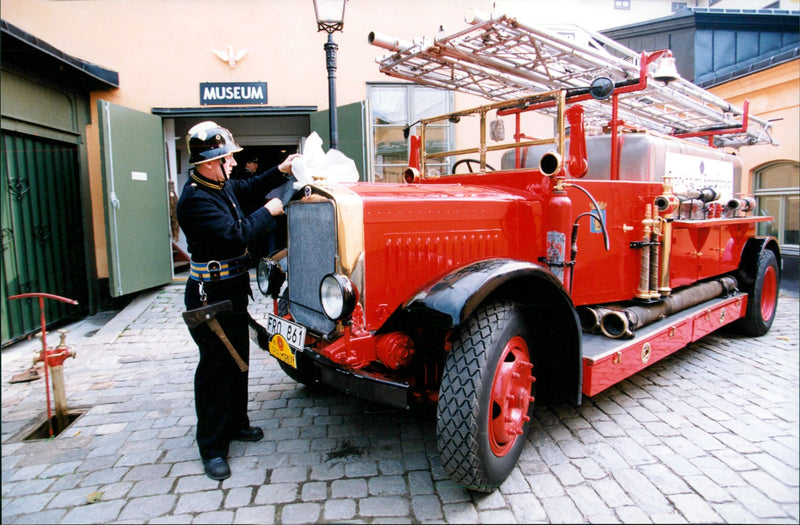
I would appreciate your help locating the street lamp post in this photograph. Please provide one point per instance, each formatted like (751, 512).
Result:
(330, 18)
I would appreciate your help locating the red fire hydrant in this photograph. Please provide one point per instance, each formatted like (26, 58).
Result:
(53, 359)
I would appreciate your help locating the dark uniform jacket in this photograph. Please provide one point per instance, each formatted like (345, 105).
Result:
(212, 218)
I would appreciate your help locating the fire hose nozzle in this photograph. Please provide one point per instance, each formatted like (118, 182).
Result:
(476, 16)
(550, 163)
(704, 195)
(615, 324)
(387, 42)
(666, 203)
(591, 316)
(741, 204)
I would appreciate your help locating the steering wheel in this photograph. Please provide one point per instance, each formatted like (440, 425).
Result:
(469, 163)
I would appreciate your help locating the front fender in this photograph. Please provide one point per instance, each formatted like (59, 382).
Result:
(448, 302)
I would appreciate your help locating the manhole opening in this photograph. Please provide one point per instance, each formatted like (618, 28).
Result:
(40, 429)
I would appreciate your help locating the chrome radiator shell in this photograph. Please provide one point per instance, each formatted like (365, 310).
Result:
(312, 255)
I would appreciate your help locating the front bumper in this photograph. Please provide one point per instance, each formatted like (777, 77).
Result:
(365, 385)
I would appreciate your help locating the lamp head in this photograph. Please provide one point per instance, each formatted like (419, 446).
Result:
(330, 15)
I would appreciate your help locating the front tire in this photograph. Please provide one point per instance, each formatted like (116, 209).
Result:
(486, 397)
(762, 300)
(282, 310)
(300, 377)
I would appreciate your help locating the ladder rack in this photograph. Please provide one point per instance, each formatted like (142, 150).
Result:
(499, 58)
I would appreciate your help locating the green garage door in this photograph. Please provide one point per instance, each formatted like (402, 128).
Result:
(42, 232)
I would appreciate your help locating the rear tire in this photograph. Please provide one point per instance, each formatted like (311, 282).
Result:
(485, 399)
(762, 300)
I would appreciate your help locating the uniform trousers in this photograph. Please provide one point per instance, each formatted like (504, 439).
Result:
(220, 388)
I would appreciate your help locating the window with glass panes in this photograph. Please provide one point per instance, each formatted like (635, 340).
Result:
(777, 192)
(393, 107)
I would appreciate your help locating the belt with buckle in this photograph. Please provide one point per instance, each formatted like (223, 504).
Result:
(218, 270)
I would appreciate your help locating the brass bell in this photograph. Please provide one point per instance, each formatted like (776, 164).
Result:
(666, 71)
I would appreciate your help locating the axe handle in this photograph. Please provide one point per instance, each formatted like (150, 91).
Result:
(215, 326)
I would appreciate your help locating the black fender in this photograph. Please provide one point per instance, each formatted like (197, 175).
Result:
(449, 301)
(751, 254)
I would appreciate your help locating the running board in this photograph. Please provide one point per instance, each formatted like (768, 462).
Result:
(608, 361)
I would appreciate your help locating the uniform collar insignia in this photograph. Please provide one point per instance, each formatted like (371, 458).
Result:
(205, 182)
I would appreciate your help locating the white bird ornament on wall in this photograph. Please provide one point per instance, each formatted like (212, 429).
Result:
(231, 56)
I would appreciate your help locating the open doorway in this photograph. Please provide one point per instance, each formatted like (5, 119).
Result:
(270, 137)
(267, 156)
(251, 161)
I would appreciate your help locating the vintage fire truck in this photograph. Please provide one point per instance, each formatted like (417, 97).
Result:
(592, 252)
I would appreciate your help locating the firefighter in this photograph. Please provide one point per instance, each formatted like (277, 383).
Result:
(250, 169)
(217, 232)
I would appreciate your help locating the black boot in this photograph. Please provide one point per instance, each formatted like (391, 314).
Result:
(217, 468)
(249, 434)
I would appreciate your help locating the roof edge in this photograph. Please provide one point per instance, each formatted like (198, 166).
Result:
(98, 76)
(234, 111)
(688, 17)
(751, 68)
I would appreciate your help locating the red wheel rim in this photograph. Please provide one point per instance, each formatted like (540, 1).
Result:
(769, 292)
(511, 396)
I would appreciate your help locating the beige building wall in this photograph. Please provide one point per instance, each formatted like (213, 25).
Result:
(774, 94)
(163, 49)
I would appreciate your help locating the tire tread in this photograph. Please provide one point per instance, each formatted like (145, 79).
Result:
(456, 415)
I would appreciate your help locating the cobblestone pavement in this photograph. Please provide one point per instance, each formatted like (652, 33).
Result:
(707, 435)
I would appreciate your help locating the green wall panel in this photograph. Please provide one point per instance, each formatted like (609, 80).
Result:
(352, 130)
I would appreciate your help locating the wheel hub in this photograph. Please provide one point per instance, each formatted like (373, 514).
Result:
(511, 396)
(769, 292)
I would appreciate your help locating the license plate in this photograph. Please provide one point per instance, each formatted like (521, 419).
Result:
(293, 333)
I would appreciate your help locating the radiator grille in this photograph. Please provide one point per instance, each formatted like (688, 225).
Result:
(312, 255)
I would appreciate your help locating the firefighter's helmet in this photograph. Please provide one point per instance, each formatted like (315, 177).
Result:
(208, 141)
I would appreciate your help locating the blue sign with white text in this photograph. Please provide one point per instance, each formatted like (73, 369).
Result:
(222, 93)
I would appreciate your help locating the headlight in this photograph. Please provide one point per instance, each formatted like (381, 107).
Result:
(338, 296)
(270, 277)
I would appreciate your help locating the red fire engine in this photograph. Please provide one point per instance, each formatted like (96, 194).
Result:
(591, 252)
